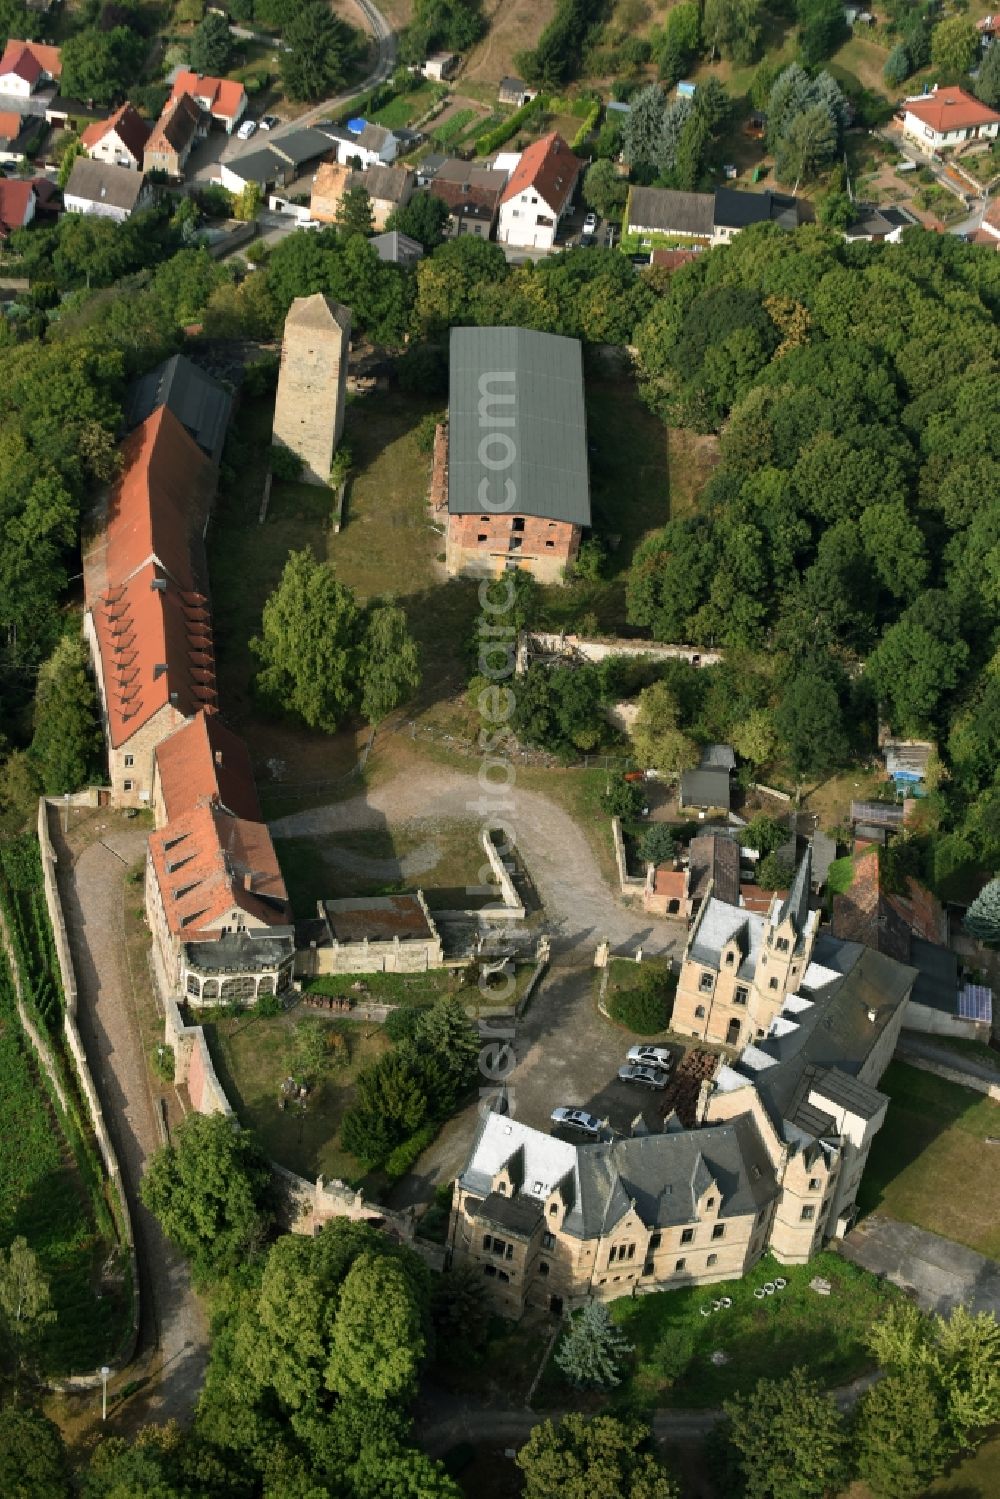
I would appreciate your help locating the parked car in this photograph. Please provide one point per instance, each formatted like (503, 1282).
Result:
(650, 1056)
(268, 122)
(577, 1119)
(590, 224)
(247, 129)
(649, 1077)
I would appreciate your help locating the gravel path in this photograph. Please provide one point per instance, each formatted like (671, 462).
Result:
(173, 1342)
(580, 906)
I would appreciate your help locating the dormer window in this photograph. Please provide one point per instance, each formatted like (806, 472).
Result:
(730, 959)
(782, 944)
(553, 1209)
(706, 982)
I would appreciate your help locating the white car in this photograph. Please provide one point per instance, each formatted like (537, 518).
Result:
(247, 129)
(590, 224)
(650, 1077)
(651, 1056)
(577, 1119)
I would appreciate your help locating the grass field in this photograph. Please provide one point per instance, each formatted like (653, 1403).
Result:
(673, 1342)
(409, 106)
(253, 1055)
(931, 1154)
(451, 128)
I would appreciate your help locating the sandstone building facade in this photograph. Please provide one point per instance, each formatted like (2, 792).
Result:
(312, 383)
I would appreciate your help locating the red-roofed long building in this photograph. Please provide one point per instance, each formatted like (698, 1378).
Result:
(539, 192)
(119, 140)
(948, 117)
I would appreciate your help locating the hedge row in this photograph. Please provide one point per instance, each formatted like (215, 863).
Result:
(491, 140)
(589, 124)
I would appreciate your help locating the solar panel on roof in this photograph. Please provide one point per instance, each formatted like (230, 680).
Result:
(975, 1002)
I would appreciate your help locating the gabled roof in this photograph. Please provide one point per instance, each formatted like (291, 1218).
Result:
(207, 861)
(550, 168)
(177, 126)
(715, 857)
(14, 200)
(131, 128)
(224, 95)
(11, 125)
(205, 761)
(101, 182)
(197, 401)
(300, 146)
(29, 60)
(949, 109)
(664, 209)
(735, 209)
(389, 184)
(374, 137)
(396, 248)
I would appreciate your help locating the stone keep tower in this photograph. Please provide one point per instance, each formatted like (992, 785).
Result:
(309, 410)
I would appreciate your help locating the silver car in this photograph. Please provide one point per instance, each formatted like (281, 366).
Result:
(576, 1119)
(651, 1056)
(650, 1077)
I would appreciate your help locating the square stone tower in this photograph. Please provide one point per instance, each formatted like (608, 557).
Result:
(309, 410)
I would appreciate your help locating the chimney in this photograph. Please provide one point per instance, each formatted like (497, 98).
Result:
(159, 584)
(248, 880)
(173, 699)
(218, 758)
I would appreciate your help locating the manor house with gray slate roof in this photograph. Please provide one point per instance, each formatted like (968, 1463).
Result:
(775, 1160)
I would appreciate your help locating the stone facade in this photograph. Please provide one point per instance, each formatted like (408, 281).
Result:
(483, 546)
(312, 383)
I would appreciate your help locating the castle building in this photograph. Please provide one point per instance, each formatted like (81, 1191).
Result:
(776, 1156)
(312, 383)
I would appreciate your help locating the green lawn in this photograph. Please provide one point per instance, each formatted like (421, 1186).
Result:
(406, 107)
(840, 876)
(673, 1342)
(254, 1054)
(421, 989)
(929, 1163)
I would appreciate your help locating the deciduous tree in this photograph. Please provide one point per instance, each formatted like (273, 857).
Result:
(309, 644)
(354, 211)
(25, 1303)
(954, 44)
(789, 1439)
(901, 1440)
(596, 1457)
(33, 1461)
(378, 1338)
(211, 45)
(390, 662)
(660, 743)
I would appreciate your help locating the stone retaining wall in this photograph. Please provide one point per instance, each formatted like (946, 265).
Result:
(950, 1074)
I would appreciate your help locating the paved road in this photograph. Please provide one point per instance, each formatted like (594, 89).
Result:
(173, 1343)
(580, 906)
(910, 1045)
(941, 1273)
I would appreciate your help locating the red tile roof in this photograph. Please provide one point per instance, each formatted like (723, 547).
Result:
(950, 109)
(29, 60)
(15, 198)
(133, 132)
(224, 95)
(670, 882)
(177, 124)
(863, 914)
(10, 124)
(548, 166)
(208, 862)
(205, 761)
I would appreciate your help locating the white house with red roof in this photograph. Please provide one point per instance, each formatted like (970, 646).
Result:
(223, 98)
(26, 66)
(538, 193)
(120, 140)
(948, 117)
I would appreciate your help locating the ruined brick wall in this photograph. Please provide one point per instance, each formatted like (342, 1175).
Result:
(481, 545)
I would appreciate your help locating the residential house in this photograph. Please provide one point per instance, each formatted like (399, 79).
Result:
(19, 134)
(388, 188)
(17, 205)
(223, 99)
(735, 210)
(441, 66)
(361, 144)
(28, 66)
(653, 212)
(105, 191)
(709, 785)
(429, 166)
(121, 139)
(397, 249)
(879, 225)
(147, 618)
(197, 401)
(663, 259)
(516, 456)
(373, 934)
(181, 125)
(472, 195)
(329, 186)
(774, 1160)
(277, 163)
(947, 117)
(515, 91)
(538, 194)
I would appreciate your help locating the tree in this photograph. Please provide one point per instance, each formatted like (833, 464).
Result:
(621, 798)
(390, 662)
(755, 738)
(99, 65)
(679, 42)
(982, 919)
(67, 740)
(354, 211)
(774, 873)
(210, 1190)
(643, 126)
(898, 66)
(965, 1355)
(423, 219)
(248, 203)
(446, 1032)
(659, 742)
(383, 1471)
(954, 44)
(900, 1438)
(319, 47)
(763, 833)
(808, 145)
(810, 723)
(33, 1461)
(604, 190)
(74, 150)
(789, 1439)
(591, 1352)
(309, 644)
(460, 1314)
(595, 1457)
(657, 845)
(732, 28)
(25, 1302)
(390, 1105)
(211, 45)
(822, 28)
(378, 1339)
(919, 660)
(987, 84)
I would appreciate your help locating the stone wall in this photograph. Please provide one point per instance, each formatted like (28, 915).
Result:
(74, 1044)
(631, 884)
(193, 1064)
(538, 643)
(513, 906)
(479, 546)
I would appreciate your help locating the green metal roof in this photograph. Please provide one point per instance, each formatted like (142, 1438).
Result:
(516, 413)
